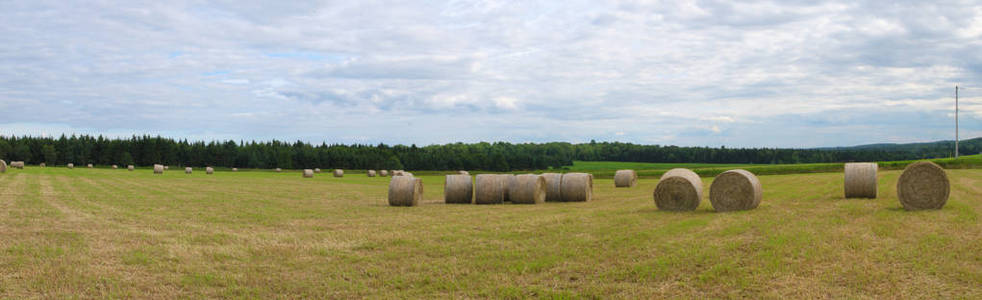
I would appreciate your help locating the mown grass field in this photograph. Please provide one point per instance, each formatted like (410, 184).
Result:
(99, 233)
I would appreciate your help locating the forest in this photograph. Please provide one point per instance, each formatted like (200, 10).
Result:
(500, 156)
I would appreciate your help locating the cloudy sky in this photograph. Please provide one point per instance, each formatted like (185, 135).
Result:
(695, 73)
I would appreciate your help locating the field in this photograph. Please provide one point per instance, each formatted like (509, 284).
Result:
(100, 233)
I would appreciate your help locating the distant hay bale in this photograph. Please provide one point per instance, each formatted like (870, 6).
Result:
(115, 167)
(130, 167)
(235, 169)
(338, 173)
(528, 189)
(17, 164)
(489, 189)
(187, 170)
(308, 173)
(462, 172)
(508, 180)
(625, 178)
(404, 173)
(458, 189)
(678, 190)
(3, 166)
(860, 180)
(209, 170)
(923, 185)
(166, 167)
(42, 165)
(397, 173)
(383, 173)
(405, 191)
(735, 190)
(88, 166)
(158, 169)
(553, 183)
(70, 165)
(576, 187)
(279, 170)
(317, 170)
(371, 173)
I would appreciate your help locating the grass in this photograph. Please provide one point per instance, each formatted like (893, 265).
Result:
(101, 233)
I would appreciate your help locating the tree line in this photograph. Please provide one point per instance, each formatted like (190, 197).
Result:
(148, 150)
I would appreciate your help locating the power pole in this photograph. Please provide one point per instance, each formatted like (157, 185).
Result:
(956, 121)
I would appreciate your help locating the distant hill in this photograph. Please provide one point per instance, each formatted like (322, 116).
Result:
(965, 147)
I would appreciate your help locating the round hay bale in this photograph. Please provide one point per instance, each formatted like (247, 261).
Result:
(166, 167)
(923, 185)
(489, 189)
(625, 178)
(3, 166)
(528, 189)
(462, 172)
(338, 173)
(308, 173)
(405, 191)
(407, 174)
(209, 170)
(130, 167)
(735, 190)
(187, 170)
(235, 169)
(553, 183)
(115, 167)
(70, 165)
(509, 181)
(42, 165)
(383, 173)
(371, 173)
(860, 180)
(317, 170)
(158, 169)
(576, 187)
(458, 189)
(88, 166)
(678, 190)
(17, 164)
(279, 170)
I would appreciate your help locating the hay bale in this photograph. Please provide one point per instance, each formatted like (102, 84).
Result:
(735, 190)
(489, 189)
(462, 172)
(528, 189)
(458, 189)
(383, 173)
(308, 173)
(371, 173)
(405, 191)
(553, 183)
(860, 180)
(576, 187)
(130, 167)
(317, 170)
(17, 164)
(235, 169)
(88, 166)
(923, 185)
(3, 166)
(338, 173)
(187, 170)
(42, 165)
(407, 174)
(115, 167)
(166, 167)
(158, 169)
(625, 178)
(209, 170)
(70, 165)
(508, 180)
(678, 190)
(278, 170)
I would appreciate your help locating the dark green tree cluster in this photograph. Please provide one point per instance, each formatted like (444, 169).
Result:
(147, 150)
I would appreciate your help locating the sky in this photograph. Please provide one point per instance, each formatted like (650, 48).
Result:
(688, 73)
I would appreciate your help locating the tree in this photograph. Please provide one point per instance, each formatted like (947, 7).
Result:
(23, 152)
(50, 154)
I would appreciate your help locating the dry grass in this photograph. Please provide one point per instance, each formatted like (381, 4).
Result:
(104, 234)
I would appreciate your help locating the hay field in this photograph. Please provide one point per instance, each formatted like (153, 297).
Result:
(101, 233)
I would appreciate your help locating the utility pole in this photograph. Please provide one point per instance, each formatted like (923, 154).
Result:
(956, 121)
